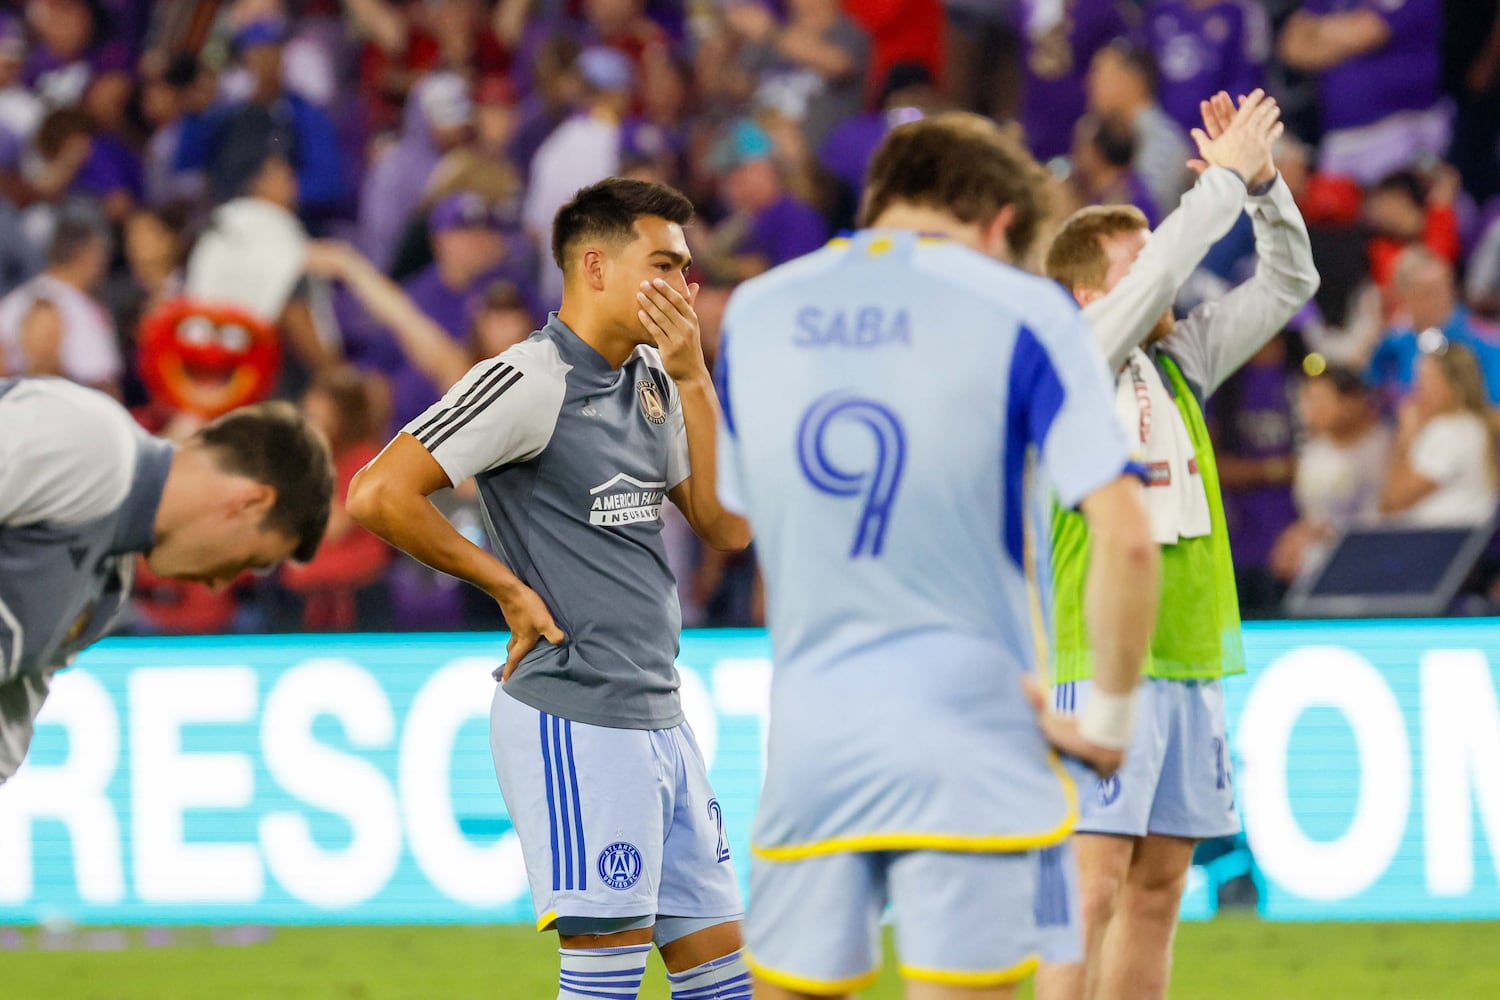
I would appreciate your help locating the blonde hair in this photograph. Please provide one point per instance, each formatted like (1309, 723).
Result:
(1076, 257)
(1460, 370)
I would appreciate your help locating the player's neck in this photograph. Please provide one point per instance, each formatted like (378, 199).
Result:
(614, 345)
(931, 222)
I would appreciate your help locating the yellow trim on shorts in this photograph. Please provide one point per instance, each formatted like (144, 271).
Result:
(1006, 843)
(802, 984)
(546, 920)
(1023, 969)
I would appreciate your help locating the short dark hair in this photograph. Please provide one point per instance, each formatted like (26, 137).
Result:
(80, 225)
(962, 164)
(1114, 141)
(608, 210)
(272, 444)
(1403, 182)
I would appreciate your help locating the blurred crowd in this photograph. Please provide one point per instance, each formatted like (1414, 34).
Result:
(355, 199)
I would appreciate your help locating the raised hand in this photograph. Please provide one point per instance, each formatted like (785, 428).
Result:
(672, 322)
(1240, 139)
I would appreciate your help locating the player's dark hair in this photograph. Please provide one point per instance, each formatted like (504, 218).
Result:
(272, 444)
(608, 210)
(964, 165)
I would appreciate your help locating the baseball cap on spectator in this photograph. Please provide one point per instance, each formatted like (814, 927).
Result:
(496, 89)
(241, 146)
(743, 142)
(261, 31)
(465, 210)
(444, 100)
(604, 68)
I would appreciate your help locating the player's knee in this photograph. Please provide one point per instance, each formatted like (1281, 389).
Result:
(1156, 899)
(1098, 901)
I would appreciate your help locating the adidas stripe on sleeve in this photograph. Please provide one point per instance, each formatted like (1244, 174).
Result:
(503, 411)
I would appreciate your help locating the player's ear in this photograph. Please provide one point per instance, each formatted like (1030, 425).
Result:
(996, 235)
(1087, 296)
(591, 268)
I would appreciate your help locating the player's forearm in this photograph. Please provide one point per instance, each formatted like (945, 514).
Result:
(1121, 600)
(714, 524)
(1122, 320)
(409, 522)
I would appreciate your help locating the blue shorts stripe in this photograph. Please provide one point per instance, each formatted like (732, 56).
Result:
(583, 867)
(1052, 889)
(551, 803)
(562, 805)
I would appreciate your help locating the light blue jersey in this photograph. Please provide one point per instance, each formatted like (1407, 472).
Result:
(881, 397)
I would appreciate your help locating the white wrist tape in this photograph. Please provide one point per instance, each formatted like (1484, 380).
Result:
(1108, 720)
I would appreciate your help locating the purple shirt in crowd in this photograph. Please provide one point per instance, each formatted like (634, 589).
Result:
(111, 167)
(62, 80)
(1259, 426)
(847, 151)
(1054, 64)
(786, 231)
(1201, 49)
(371, 347)
(1402, 75)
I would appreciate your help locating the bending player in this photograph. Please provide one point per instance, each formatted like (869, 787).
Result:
(1139, 828)
(575, 437)
(880, 398)
(84, 490)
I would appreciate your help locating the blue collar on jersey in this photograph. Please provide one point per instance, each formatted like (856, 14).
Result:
(135, 528)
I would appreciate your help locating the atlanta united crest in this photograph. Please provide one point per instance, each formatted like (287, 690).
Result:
(620, 865)
(651, 404)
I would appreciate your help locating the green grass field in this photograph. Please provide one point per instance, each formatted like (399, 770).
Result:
(1232, 958)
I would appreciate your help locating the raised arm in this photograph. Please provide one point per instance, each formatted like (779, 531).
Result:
(1218, 337)
(381, 23)
(1312, 43)
(1232, 151)
(673, 323)
(431, 350)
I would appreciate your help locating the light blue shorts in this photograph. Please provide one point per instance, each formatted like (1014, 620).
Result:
(1176, 780)
(964, 919)
(613, 823)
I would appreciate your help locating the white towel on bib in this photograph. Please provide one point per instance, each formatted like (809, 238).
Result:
(1175, 499)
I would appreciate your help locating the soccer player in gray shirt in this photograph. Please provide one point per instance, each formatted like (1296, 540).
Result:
(575, 437)
(84, 490)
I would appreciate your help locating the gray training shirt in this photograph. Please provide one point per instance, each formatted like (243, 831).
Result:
(80, 483)
(573, 460)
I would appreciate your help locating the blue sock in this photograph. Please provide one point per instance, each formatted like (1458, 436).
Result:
(602, 973)
(726, 978)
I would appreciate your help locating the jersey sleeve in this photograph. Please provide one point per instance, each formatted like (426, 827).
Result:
(727, 483)
(679, 467)
(503, 411)
(1122, 319)
(1061, 401)
(74, 461)
(1220, 336)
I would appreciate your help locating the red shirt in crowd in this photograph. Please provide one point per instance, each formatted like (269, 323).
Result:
(900, 31)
